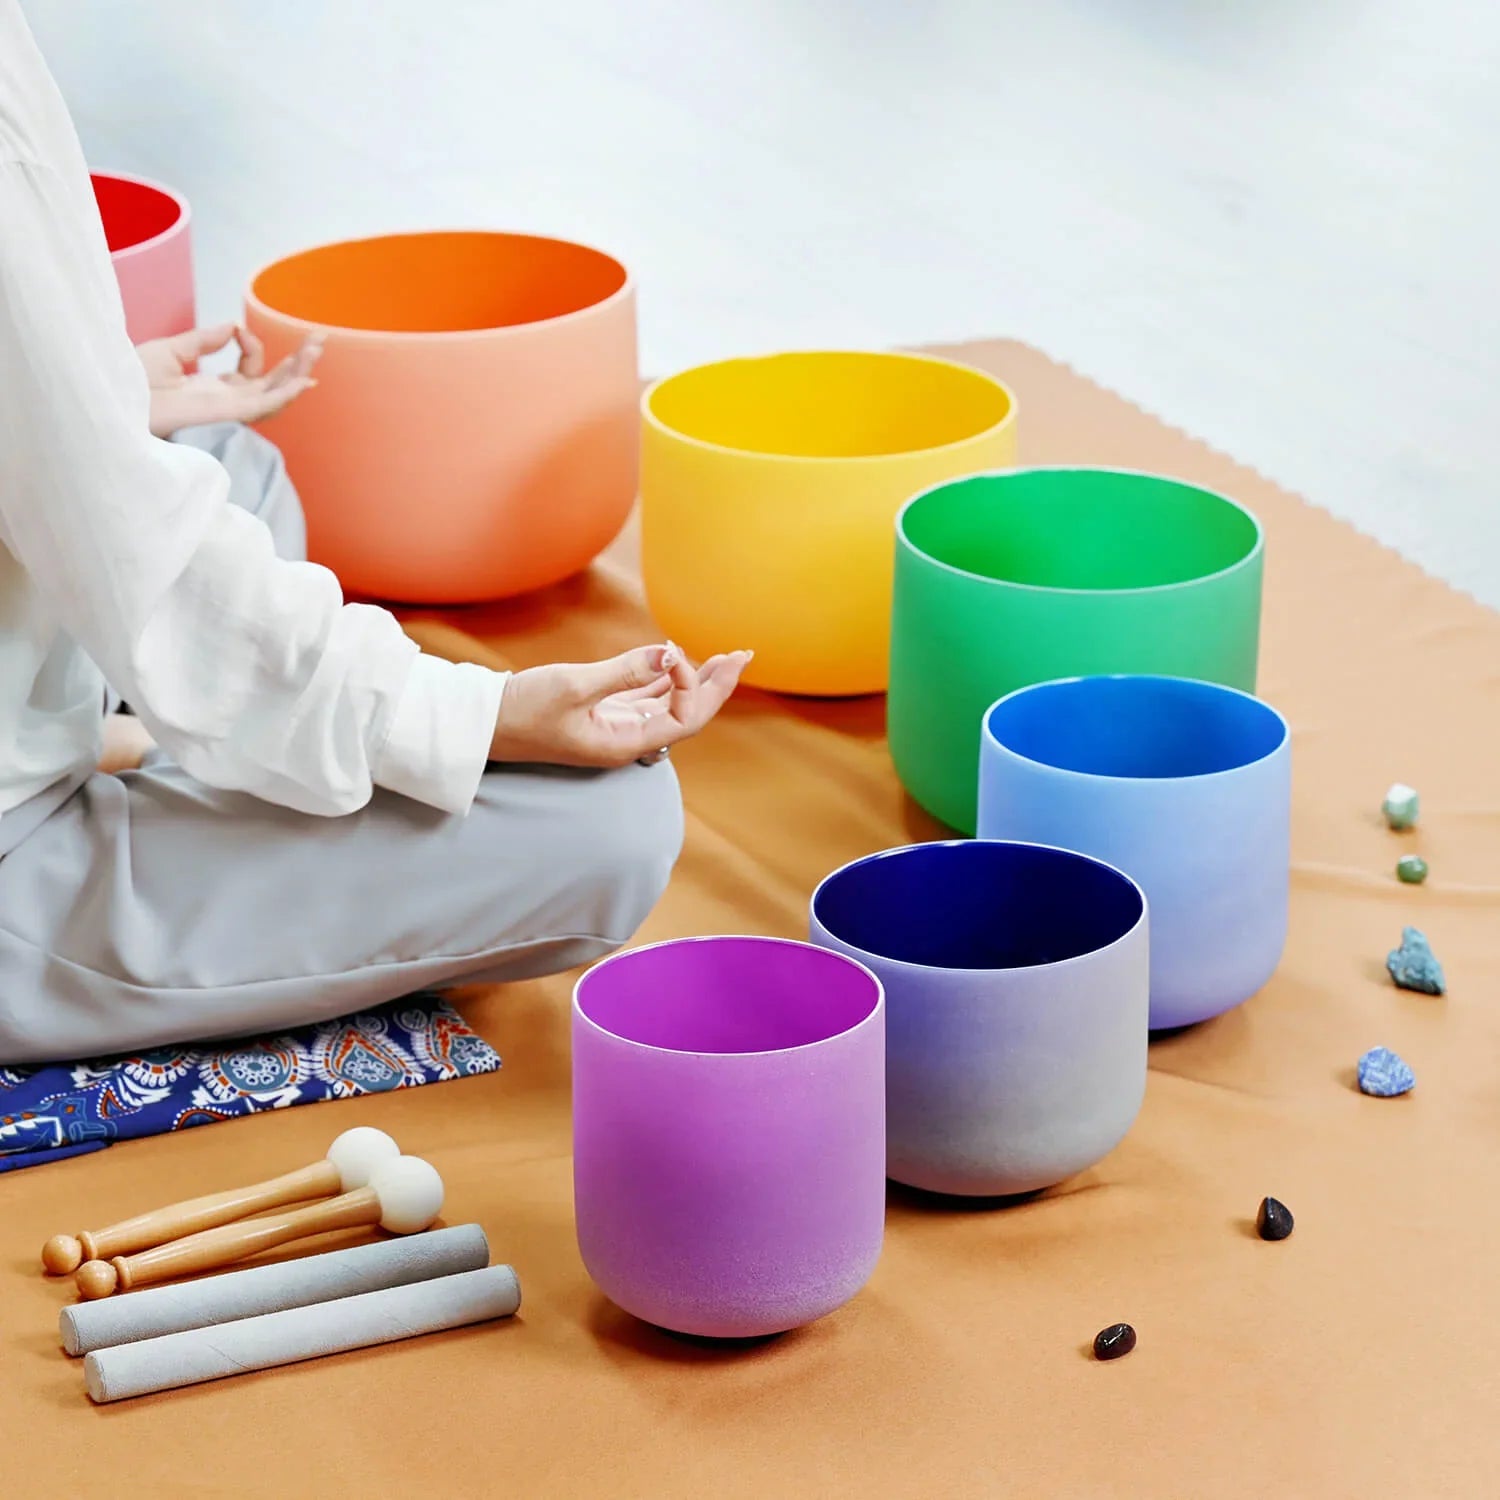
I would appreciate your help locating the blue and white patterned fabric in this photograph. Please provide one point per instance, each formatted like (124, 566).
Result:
(67, 1109)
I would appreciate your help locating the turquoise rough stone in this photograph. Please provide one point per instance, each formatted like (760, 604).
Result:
(1385, 1075)
(1411, 869)
(1400, 806)
(1413, 965)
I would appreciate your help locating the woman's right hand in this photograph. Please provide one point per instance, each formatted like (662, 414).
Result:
(610, 713)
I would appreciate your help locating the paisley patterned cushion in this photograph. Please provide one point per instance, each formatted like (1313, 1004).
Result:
(65, 1109)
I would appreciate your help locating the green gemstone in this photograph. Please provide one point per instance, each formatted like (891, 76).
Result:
(1400, 806)
(1411, 869)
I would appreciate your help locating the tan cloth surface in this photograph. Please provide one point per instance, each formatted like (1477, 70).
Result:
(1358, 1358)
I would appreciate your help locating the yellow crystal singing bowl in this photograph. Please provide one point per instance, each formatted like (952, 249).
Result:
(769, 492)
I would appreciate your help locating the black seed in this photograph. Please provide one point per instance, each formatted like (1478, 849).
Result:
(1114, 1342)
(1274, 1221)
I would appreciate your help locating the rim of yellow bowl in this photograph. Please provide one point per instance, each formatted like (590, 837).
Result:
(625, 289)
(901, 355)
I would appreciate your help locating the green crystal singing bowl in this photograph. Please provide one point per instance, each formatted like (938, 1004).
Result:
(1003, 580)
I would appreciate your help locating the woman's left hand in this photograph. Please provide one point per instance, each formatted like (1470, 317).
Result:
(184, 396)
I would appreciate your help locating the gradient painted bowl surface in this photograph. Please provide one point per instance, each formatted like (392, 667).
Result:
(769, 487)
(474, 432)
(148, 228)
(729, 1132)
(1017, 981)
(1186, 786)
(1003, 580)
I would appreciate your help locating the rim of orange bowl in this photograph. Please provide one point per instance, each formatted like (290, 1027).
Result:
(625, 289)
(902, 355)
(1243, 561)
(181, 222)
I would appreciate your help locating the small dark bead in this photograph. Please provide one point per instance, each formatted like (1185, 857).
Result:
(1114, 1342)
(1274, 1221)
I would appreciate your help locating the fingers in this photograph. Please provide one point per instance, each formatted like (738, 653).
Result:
(715, 690)
(196, 342)
(693, 702)
(298, 366)
(280, 373)
(656, 689)
(252, 354)
(631, 670)
(259, 402)
(682, 684)
(309, 354)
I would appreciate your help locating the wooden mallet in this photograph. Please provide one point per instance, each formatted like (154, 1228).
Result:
(348, 1164)
(403, 1196)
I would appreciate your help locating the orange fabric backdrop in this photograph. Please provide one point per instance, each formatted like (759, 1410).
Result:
(1355, 1359)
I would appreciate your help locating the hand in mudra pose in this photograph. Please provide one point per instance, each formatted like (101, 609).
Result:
(184, 396)
(610, 713)
(602, 714)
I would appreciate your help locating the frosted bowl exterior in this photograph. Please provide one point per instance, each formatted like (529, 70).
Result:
(474, 431)
(1017, 981)
(1186, 786)
(1003, 580)
(729, 1132)
(769, 488)
(148, 228)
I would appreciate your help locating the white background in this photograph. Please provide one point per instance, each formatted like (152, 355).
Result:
(1273, 222)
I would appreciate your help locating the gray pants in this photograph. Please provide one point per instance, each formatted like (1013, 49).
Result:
(146, 909)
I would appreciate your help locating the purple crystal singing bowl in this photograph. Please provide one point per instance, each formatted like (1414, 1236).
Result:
(729, 1132)
(1017, 981)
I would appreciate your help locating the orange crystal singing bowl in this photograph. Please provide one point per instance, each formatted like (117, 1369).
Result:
(769, 492)
(474, 430)
(148, 229)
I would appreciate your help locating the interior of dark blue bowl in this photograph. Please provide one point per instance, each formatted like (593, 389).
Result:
(978, 905)
(1141, 727)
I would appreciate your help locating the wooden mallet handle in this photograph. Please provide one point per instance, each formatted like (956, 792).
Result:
(403, 1195)
(320, 1180)
(212, 1248)
(350, 1160)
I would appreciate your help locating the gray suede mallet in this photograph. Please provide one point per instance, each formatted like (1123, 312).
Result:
(282, 1338)
(157, 1311)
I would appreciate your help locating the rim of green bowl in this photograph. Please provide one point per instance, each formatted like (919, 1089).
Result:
(900, 355)
(1250, 556)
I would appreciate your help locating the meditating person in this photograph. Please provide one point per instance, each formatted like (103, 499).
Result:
(309, 816)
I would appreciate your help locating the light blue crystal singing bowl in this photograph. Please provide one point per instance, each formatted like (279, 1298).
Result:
(1185, 786)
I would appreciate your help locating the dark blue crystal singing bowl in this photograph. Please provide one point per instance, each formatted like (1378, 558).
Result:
(1017, 983)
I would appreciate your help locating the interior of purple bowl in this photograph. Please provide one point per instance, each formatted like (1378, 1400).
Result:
(727, 995)
(977, 904)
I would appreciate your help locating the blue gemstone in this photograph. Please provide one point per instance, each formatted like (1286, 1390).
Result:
(1413, 965)
(1384, 1074)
